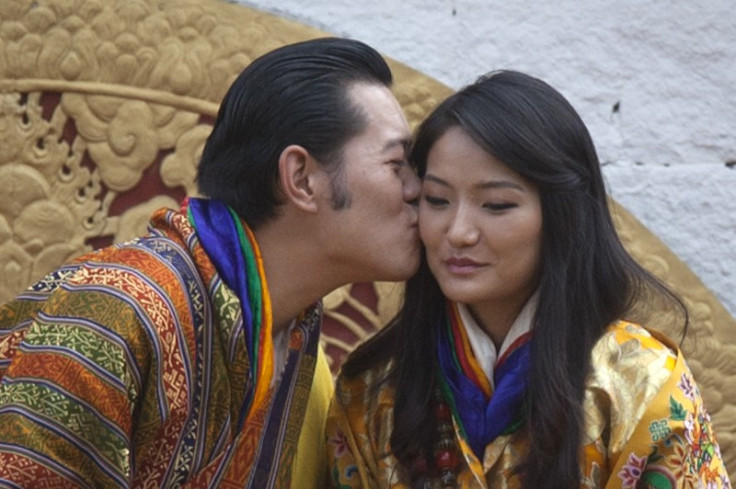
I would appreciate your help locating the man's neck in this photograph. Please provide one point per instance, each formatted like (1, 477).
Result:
(297, 273)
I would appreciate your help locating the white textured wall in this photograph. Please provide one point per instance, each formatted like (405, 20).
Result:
(669, 66)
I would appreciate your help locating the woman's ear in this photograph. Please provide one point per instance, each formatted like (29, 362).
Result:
(300, 176)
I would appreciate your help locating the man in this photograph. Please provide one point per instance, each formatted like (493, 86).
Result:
(189, 357)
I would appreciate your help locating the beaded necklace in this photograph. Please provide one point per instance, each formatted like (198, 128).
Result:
(444, 450)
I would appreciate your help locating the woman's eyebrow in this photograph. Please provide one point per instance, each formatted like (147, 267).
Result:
(483, 185)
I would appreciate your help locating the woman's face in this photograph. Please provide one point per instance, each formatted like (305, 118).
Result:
(481, 224)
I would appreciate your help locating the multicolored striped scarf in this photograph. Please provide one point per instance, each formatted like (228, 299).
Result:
(270, 419)
(232, 248)
(483, 413)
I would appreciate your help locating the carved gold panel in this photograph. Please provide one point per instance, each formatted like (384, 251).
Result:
(105, 106)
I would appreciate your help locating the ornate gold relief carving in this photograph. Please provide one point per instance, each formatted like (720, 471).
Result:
(124, 136)
(45, 209)
(105, 106)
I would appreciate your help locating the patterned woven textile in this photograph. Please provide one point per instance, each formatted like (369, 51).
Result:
(645, 426)
(129, 368)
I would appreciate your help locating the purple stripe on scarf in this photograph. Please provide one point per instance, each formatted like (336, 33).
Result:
(483, 421)
(219, 237)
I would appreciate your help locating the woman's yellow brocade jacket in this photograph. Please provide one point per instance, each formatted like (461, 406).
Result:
(645, 426)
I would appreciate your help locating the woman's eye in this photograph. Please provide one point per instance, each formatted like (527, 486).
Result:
(498, 206)
(435, 201)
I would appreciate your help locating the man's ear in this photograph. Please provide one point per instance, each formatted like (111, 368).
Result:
(300, 175)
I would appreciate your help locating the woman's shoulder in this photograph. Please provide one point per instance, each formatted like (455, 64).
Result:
(631, 363)
(627, 344)
(369, 386)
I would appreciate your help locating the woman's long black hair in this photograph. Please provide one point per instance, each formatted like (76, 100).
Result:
(588, 280)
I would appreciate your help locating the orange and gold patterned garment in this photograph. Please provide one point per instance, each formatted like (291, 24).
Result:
(645, 426)
(128, 368)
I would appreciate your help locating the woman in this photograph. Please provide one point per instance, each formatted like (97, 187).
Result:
(510, 364)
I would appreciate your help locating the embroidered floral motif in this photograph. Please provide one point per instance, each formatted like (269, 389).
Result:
(718, 451)
(687, 443)
(703, 446)
(336, 477)
(657, 477)
(680, 459)
(341, 448)
(660, 429)
(688, 387)
(725, 483)
(689, 428)
(340, 443)
(695, 448)
(632, 471)
(677, 412)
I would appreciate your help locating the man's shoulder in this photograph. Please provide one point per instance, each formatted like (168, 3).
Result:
(163, 263)
(169, 247)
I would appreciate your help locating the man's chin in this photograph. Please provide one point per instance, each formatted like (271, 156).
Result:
(407, 272)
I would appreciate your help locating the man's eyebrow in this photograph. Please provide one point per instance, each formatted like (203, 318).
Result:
(483, 185)
(403, 142)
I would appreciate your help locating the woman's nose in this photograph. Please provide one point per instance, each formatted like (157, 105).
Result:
(462, 230)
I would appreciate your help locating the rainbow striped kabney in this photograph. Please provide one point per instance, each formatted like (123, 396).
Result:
(129, 368)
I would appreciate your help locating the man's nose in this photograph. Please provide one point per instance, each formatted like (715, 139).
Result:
(412, 186)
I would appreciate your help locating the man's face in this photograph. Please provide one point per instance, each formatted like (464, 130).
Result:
(374, 236)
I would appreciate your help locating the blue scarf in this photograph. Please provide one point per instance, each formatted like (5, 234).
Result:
(224, 238)
(482, 420)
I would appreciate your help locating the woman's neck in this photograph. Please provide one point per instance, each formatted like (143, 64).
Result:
(497, 318)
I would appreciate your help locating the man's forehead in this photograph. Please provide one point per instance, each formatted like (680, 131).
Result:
(370, 97)
(384, 119)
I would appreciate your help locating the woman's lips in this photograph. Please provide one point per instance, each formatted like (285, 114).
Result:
(462, 266)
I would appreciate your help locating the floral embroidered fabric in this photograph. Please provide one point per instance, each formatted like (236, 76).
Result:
(645, 426)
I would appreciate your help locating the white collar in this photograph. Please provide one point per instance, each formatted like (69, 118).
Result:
(482, 345)
(280, 351)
